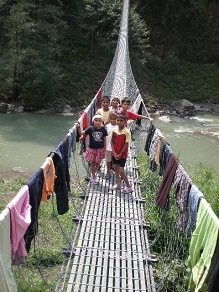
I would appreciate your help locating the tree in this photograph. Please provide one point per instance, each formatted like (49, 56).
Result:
(187, 29)
(30, 57)
(100, 21)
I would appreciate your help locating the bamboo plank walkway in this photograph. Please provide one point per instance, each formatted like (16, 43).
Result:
(112, 251)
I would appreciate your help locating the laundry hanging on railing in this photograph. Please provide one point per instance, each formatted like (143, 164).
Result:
(20, 218)
(182, 185)
(6, 276)
(196, 220)
(35, 185)
(49, 178)
(202, 245)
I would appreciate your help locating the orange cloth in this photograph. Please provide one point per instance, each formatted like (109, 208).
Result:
(49, 178)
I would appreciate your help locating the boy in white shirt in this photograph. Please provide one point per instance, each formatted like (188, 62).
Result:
(109, 127)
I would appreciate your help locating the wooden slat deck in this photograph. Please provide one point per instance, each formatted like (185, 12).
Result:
(112, 250)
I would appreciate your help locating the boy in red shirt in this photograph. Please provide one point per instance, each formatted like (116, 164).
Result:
(129, 114)
(120, 139)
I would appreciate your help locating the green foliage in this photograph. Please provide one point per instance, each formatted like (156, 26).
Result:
(187, 29)
(138, 36)
(172, 79)
(206, 179)
(8, 190)
(30, 55)
(62, 51)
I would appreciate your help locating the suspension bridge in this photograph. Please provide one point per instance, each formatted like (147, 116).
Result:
(112, 252)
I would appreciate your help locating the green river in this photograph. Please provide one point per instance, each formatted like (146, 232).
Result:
(27, 138)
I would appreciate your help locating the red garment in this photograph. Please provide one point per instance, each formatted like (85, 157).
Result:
(99, 98)
(119, 139)
(169, 174)
(85, 126)
(84, 120)
(129, 114)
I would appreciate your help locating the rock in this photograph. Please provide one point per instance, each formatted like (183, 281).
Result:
(19, 109)
(183, 107)
(6, 107)
(67, 109)
(43, 111)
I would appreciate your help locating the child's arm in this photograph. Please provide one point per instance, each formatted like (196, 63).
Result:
(119, 156)
(145, 118)
(77, 125)
(112, 146)
(124, 149)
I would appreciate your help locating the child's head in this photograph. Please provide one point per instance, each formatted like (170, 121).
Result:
(97, 121)
(126, 103)
(121, 120)
(115, 101)
(112, 118)
(105, 102)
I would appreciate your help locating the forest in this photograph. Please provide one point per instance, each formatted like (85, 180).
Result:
(58, 52)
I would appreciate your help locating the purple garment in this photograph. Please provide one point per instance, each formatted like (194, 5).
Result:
(163, 193)
(20, 220)
(182, 185)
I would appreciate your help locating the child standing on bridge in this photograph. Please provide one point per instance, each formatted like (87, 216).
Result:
(104, 111)
(126, 102)
(109, 127)
(95, 153)
(115, 104)
(120, 139)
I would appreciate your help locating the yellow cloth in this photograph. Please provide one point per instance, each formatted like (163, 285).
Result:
(49, 178)
(202, 245)
(7, 282)
(104, 114)
(157, 153)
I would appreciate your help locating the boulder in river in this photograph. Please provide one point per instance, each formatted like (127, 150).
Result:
(6, 107)
(183, 107)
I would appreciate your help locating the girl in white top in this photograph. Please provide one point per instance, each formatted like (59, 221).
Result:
(109, 127)
(115, 104)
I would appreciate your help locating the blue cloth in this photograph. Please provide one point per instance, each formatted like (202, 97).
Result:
(61, 185)
(71, 136)
(194, 198)
(164, 156)
(35, 194)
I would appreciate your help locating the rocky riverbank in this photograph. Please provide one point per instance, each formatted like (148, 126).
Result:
(182, 108)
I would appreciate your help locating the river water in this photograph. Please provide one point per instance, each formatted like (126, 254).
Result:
(26, 139)
(194, 140)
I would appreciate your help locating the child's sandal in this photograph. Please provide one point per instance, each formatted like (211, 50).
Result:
(116, 188)
(127, 190)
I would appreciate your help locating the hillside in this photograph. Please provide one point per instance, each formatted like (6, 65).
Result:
(60, 52)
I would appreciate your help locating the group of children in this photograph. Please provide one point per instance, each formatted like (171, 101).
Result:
(109, 139)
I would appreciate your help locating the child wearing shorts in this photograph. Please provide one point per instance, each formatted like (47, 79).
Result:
(109, 127)
(120, 139)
